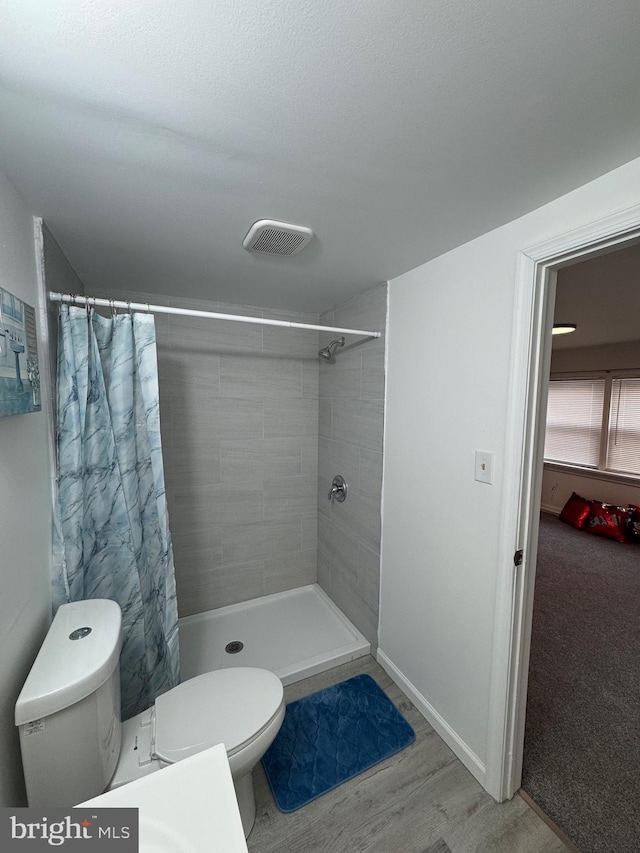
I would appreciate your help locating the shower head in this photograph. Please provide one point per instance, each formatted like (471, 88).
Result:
(328, 351)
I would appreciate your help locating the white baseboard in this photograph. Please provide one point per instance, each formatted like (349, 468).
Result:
(466, 755)
(554, 510)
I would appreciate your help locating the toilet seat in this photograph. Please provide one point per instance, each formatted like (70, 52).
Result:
(231, 706)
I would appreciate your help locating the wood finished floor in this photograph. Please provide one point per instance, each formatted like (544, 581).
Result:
(422, 800)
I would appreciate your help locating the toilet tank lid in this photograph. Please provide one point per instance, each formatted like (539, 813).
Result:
(67, 670)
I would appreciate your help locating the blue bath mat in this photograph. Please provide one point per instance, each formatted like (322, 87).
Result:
(330, 737)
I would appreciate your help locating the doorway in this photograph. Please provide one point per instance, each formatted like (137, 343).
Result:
(584, 682)
(533, 319)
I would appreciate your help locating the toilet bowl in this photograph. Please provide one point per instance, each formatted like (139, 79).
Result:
(74, 745)
(242, 707)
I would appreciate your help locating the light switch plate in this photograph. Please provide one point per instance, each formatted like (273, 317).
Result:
(484, 466)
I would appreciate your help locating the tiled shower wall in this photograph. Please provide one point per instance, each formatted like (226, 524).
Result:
(239, 417)
(254, 427)
(350, 443)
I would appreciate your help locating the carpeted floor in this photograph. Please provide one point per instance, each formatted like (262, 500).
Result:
(582, 741)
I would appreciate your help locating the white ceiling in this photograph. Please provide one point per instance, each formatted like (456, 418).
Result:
(602, 297)
(151, 134)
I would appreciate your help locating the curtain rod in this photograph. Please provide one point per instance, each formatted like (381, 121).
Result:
(188, 312)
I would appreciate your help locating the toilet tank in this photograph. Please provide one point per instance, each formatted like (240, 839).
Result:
(68, 712)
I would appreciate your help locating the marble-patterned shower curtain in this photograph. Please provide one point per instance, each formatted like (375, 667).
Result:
(112, 536)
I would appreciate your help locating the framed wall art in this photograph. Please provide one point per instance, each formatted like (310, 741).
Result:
(19, 372)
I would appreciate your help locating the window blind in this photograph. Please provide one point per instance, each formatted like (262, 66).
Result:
(623, 448)
(574, 421)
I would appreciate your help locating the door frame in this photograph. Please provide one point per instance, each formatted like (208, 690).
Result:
(529, 379)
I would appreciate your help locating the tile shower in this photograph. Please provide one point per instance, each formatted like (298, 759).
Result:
(254, 426)
(239, 416)
(350, 442)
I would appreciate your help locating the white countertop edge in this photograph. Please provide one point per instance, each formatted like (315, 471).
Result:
(192, 801)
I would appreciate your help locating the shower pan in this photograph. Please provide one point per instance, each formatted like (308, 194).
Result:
(296, 634)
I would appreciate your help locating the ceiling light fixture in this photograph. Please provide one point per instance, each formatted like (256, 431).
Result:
(563, 328)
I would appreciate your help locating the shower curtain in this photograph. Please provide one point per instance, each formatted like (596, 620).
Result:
(112, 536)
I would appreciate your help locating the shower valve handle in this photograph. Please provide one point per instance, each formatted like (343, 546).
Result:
(338, 489)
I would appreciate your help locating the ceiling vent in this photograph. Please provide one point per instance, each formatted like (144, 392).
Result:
(277, 238)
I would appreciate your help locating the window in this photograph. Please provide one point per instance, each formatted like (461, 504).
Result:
(574, 421)
(595, 423)
(623, 446)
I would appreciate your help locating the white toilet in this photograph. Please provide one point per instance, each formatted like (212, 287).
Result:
(73, 744)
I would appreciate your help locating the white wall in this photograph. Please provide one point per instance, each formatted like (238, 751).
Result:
(449, 351)
(557, 487)
(621, 356)
(25, 508)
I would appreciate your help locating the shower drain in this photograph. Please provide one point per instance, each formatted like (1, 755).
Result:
(234, 647)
